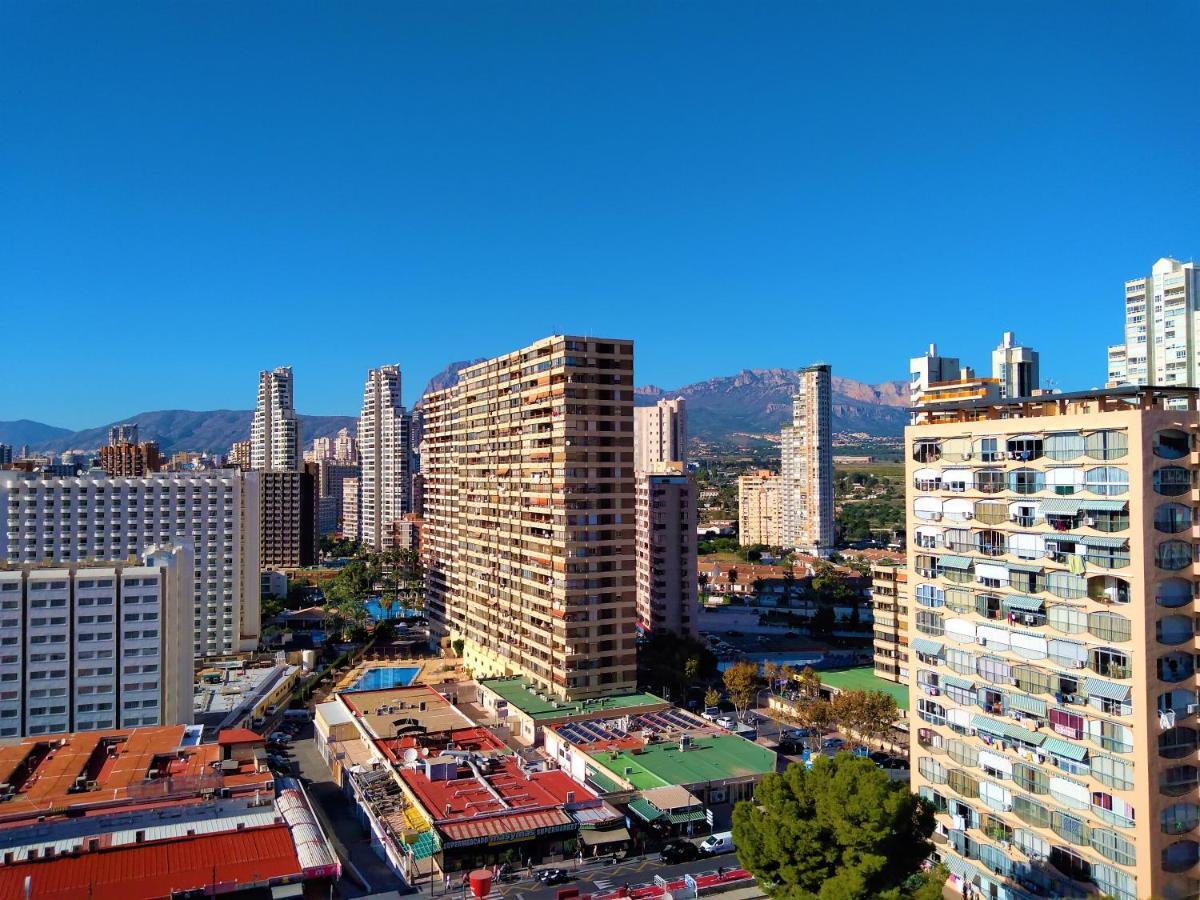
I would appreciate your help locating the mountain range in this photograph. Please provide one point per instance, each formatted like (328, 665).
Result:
(752, 402)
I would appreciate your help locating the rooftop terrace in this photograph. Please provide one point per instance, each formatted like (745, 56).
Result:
(1117, 399)
(524, 697)
(711, 758)
(393, 711)
(863, 678)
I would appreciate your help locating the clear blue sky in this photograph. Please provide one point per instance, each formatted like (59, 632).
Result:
(192, 192)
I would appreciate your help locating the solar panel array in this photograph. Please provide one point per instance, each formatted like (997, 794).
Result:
(609, 729)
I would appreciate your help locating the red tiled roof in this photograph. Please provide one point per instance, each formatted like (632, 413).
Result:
(239, 736)
(511, 824)
(155, 870)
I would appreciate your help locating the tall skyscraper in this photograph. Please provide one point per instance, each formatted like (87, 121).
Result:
(290, 532)
(6, 454)
(351, 522)
(760, 509)
(930, 369)
(1015, 368)
(332, 478)
(806, 504)
(666, 553)
(126, 433)
(385, 485)
(1052, 658)
(1162, 328)
(66, 519)
(96, 645)
(275, 438)
(529, 515)
(660, 435)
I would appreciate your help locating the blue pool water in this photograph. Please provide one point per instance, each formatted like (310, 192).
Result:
(386, 677)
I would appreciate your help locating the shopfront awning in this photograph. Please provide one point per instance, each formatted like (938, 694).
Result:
(593, 838)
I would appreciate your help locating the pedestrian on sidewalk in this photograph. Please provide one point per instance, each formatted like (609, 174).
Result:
(447, 883)
(579, 857)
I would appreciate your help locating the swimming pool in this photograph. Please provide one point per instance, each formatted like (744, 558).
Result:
(384, 677)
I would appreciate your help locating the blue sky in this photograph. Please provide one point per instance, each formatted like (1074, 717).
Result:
(192, 192)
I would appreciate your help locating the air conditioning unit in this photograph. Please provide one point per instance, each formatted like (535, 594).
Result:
(1193, 708)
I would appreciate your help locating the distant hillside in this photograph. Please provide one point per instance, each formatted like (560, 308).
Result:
(448, 377)
(23, 431)
(760, 400)
(211, 431)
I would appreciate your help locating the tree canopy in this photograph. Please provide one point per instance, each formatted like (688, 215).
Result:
(839, 831)
(741, 684)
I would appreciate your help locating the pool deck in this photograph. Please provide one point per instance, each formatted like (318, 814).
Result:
(429, 671)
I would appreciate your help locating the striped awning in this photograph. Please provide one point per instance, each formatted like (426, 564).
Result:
(1025, 736)
(1098, 687)
(954, 562)
(1059, 747)
(1029, 570)
(514, 826)
(991, 726)
(961, 683)
(1103, 505)
(1007, 730)
(644, 809)
(1025, 703)
(928, 647)
(1061, 506)
(1020, 601)
(1101, 541)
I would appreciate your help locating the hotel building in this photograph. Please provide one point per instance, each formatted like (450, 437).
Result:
(660, 435)
(275, 436)
(759, 514)
(806, 498)
(93, 646)
(529, 515)
(1052, 659)
(60, 520)
(385, 482)
(1162, 313)
(890, 615)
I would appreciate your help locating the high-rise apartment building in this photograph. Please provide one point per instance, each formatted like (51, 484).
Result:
(289, 534)
(61, 520)
(345, 447)
(322, 449)
(351, 524)
(760, 497)
(1162, 328)
(124, 460)
(1016, 368)
(806, 503)
(94, 645)
(275, 435)
(889, 613)
(6, 455)
(333, 477)
(660, 435)
(529, 515)
(930, 369)
(126, 433)
(239, 454)
(666, 554)
(1053, 657)
(385, 485)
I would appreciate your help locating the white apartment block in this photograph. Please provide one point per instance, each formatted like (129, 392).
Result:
(61, 520)
(1016, 369)
(351, 522)
(1162, 329)
(95, 645)
(930, 369)
(660, 435)
(385, 484)
(275, 438)
(345, 447)
(806, 503)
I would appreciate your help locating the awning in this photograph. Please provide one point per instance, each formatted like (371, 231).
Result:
(510, 827)
(593, 838)
(1017, 733)
(1061, 506)
(961, 683)
(1098, 687)
(1103, 505)
(1020, 601)
(1096, 541)
(1059, 747)
(954, 562)
(992, 570)
(1025, 703)
(991, 726)
(644, 809)
(1007, 730)
(281, 891)
(1029, 570)
(928, 647)
(679, 816)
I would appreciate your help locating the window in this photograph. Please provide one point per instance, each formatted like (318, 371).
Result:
(1106, 480)
(1066, 585)
(1178, 780)
(1067, 723)
(1173, 555)
(989, 481)
(1176, 743)
(1171, 481)
(1172, 518)
(1171, 443)
(1110, 663)
(1026, 481)
(1107, 444)
(960, 661)
(1109, 626)
(1067, 619)
(930, 623)
(1064, 446)
(1032, 680)
(1179, 818)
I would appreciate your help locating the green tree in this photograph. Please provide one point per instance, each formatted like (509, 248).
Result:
(814, 717)
(809, 683)
(712, 697)
(822, 622)
(869, 714)
(457, 646)
(691, 669)
(841, 830)
(741, 683)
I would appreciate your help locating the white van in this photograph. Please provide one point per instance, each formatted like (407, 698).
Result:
(715, 844)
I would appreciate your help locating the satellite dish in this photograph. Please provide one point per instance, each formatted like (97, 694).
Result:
(410, 755)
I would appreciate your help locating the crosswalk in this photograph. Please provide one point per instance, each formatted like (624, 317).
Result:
(604, 885)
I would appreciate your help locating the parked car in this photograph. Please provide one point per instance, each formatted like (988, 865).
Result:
(788, 747)
(714, 844)
(280, 737)
(679, 851)
(833, 743)
(727, 722)
(894, 762)
(552, 876)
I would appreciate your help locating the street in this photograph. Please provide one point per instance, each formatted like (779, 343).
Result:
(599, 878)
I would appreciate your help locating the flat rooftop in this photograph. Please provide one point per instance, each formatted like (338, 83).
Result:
(523, 696)
(709, 758)
(391, 711)
(1115, 399)
(496, 787)
(863, 678)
